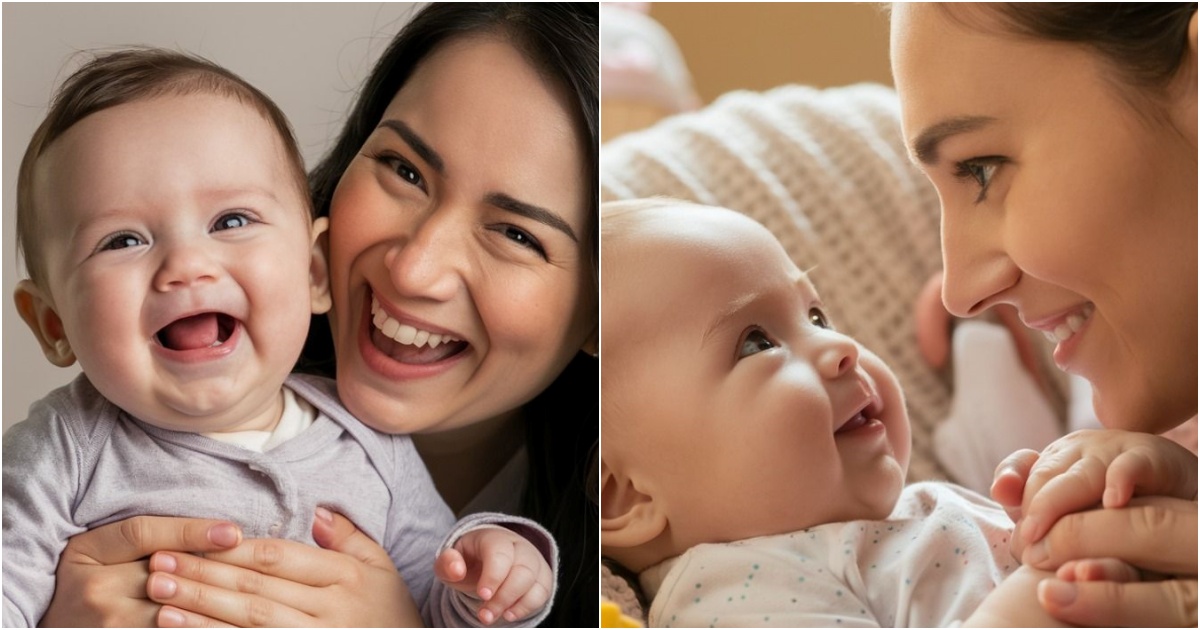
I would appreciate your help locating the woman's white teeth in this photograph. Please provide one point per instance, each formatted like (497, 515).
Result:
(1070, 326)
(403, 333)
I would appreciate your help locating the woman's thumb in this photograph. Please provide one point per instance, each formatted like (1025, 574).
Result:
(336, 533)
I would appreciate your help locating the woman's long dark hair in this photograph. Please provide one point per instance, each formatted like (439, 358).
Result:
(561, 41)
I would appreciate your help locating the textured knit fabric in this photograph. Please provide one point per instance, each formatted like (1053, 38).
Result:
(79, 462)
(929, 564)
(826, 171)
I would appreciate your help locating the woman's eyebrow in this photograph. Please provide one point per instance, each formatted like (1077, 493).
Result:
(416, 142)
(530, 211)
(925, 147)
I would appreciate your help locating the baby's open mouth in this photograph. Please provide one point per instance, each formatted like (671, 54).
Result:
(205, 330)
(864, 416)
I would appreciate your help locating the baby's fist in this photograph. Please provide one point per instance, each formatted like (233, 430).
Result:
(502, 569)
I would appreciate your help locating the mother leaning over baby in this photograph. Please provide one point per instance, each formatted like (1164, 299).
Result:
(1062, 141)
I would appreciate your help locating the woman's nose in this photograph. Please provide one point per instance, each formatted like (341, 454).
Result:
(837, 355)
(425, 263)
(184, 265)
(977, 268)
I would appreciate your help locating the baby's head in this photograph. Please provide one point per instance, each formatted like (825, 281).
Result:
(164, 219)
(730, 406)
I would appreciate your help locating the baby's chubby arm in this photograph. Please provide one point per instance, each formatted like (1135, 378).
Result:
(500, 567)
(1088, 468)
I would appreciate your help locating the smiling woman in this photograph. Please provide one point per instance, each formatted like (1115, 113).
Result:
(462, 249)
(1062, 141)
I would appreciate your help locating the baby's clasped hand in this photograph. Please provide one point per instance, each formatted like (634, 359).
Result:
(500, 567)
(1086, 469)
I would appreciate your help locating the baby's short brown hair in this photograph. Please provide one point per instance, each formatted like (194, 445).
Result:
(125, 76)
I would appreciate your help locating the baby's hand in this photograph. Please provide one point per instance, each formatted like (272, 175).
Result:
(1087, 468)
(501, 568)
(1099, 570)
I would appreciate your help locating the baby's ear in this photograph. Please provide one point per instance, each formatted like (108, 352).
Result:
(39, 314)
(318, 270)
(629, 517)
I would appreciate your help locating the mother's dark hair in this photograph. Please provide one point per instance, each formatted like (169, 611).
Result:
(561, 40)
(1143, 42)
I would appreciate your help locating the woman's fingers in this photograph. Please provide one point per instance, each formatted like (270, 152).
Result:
(1171, 603)
(336, 533)
(227, 577)
(1155, 533)
(171, 617)
(288, 560)
(205, 601)
(137, 537)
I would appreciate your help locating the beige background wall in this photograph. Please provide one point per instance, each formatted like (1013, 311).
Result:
(761, 45)
(309, 58)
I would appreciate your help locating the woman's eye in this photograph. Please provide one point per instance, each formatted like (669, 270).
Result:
(754, 342)
(980, 171)
(522, 238)
(403, 169)
(231, 221)
(818, 318)
(121, 241)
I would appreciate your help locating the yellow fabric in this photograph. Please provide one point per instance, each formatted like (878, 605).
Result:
(612, 617)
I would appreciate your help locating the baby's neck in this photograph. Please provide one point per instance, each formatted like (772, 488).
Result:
(463, 460)
(265, 419)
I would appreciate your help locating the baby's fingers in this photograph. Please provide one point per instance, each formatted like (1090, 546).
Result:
(495, 562)
(1077, 488)
(1098, 570)
(1168, 471)
(1008, 483)
(451, 568)
(535, 599)
(522, 580)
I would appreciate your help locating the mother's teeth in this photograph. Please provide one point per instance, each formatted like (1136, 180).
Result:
(404, 333)
(1071, 325)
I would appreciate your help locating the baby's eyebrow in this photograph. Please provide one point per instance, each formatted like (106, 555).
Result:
(727, 314)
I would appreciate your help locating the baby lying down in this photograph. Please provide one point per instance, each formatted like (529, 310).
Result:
(754, 458)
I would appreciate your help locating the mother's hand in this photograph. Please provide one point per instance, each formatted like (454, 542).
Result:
(1153, 533)
(267, 582)
(101, 574)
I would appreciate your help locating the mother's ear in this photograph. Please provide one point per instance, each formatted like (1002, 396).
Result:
(38, 312)
(592, 345)
(1184, 87)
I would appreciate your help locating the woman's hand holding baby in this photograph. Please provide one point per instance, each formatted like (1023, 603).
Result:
(500, 567)
(268, 582)
(1044, 493)
(101, 571)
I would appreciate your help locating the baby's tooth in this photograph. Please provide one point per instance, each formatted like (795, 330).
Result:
(380, 319)
(435, 341)
(390, 328)
(1050, 336)
(1063, 332)
(421, 338)
(1075, 322)
(405, 334)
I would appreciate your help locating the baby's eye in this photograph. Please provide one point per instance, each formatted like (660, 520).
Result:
(755, 341)
(121, 241)
(818, 318)
(230, 221)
